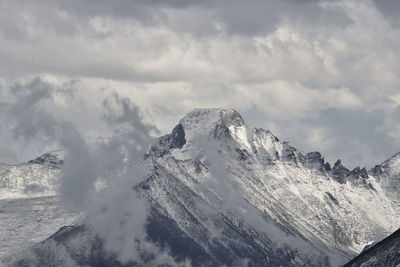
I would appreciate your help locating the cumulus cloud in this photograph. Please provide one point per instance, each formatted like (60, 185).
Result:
(277, 62)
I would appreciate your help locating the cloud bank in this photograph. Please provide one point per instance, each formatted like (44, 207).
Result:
(321, 74)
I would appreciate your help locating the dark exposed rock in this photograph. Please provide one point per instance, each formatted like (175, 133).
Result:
(327, 166)
(198, 166)
(176, 138)
(49, 159)
(339, 172)
(315, 160)
(332, 198)
(314, 157)
(338, 163)
(290, 154)
(171, 141)
(377, 170)
(243, 154)
(167, 234)
(359, 173)
(221, 132)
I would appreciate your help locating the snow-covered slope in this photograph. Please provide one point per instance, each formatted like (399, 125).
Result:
(29, 207)
(34, 178)
(222, 192)
(29, 220)
(388, 174)
(298, 192)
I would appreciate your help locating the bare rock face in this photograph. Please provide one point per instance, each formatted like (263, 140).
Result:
(175, 140)
(52, 160)
(339, 172)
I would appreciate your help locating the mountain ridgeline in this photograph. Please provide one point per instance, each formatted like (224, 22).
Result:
(223, 193)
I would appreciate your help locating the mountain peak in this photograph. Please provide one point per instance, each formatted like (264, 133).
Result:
(196, 123)
(212, 117)
(203, 121)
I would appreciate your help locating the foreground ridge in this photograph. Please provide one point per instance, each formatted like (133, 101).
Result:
(384, 253)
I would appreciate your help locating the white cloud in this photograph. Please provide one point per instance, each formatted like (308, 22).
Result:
(187, 55)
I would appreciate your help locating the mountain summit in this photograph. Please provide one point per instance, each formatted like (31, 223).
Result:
(214, 116)
(205, 120)
(223, 193)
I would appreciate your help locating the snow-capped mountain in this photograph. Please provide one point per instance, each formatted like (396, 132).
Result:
(224, 193)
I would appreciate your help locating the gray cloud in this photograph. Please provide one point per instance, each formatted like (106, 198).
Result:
(34, 111)
(98, 174)
(28, 116)
(390, 9)
(301, 63)
(236, 17)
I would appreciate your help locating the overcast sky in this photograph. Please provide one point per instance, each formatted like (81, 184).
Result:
(323, 75)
